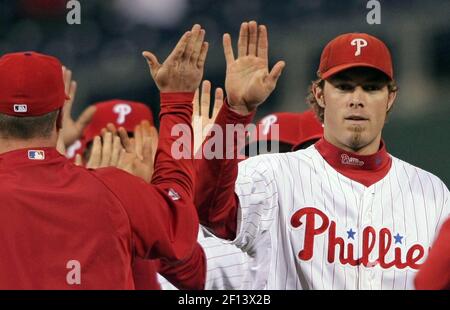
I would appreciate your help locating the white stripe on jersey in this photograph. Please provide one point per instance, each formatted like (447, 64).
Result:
(227, 265)
(389, 225)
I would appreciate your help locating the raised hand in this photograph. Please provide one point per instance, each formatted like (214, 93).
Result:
(183, 69)
(201, 121)
(105, 151)
(72, 130)
(140, 165)
(248, 81)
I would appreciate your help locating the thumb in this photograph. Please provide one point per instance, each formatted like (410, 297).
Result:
(85, 118)
(275, 73)
(78, 160)
(152, 62)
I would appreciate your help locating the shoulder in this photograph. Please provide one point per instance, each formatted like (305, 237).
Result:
(119, 182)
(414, 174)
(278, 161)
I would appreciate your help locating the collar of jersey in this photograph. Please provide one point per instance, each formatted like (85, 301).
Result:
(15, 158)
(365, 169)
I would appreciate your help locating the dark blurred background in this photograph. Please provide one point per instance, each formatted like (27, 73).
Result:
(104, 52)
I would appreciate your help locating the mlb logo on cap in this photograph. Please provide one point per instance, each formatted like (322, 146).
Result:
(36, 155)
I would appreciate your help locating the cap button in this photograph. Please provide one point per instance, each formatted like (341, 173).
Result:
(27, 54)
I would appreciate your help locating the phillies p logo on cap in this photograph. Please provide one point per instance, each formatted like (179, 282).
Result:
(359, 43)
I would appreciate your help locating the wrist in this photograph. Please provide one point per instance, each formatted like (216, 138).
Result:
(240, 108)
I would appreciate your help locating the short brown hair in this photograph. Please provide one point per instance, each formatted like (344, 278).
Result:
(312, 102)
(27, 127)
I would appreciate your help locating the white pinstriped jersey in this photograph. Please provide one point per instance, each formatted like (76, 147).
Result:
(227, 265)
(326, 231)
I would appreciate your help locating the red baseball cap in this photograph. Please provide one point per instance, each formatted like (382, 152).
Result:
(355, 50)
(31, 84)
(293, 127)
(121, 113)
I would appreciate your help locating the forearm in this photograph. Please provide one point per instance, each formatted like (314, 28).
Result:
(176, 114)
(215, 199)
(189, 274)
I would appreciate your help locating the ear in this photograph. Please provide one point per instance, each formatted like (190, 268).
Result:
(391, 99)
(318, 94)
(59, 120)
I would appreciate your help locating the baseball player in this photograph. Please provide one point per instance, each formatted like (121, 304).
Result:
(342, 214)
(66, 227)
(137, 119)
(118, 112)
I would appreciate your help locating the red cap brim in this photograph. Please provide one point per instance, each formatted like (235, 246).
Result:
(337, 69)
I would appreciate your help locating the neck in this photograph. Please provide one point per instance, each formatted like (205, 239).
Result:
(368, 149)
(8, 145)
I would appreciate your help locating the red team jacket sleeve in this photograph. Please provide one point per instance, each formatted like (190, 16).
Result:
(215, 198)
(435, 272)
(188, 274)
(163, 219)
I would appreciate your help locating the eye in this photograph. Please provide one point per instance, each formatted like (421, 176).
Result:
(372, 87)
(344, 86)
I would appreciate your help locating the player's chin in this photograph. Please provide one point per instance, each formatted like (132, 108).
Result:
(356, 128)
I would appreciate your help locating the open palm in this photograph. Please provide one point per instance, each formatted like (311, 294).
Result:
(248, 81)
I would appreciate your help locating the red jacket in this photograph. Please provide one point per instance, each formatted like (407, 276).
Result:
(435, 272)
(61, 224)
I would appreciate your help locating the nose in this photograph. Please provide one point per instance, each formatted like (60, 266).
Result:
(357, 99)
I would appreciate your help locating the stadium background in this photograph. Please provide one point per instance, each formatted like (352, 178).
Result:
(105, 53)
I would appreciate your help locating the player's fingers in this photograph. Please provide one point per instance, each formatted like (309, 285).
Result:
(203, 53)
(123, 160)
(263, 44)
(78, 160)
(154, 140)
(72, 91)
(218, 102)
(127, 144)
(117, 147)
(106, 149)
(60, 145)
(228, 49)
(96, 154)
(192, 41)
(152, 62)
(147, 154)
(253, 37)
(243, 40)
(206, 98)
(180, 48)
(196, 103)
(67, 78)
(138, 137)
(111, 128)
(275, 74)
(85, 118)
(198, 44)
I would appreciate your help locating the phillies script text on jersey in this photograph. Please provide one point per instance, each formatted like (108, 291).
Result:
(346, 250)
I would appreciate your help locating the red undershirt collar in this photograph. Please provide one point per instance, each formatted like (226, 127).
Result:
(365, 169)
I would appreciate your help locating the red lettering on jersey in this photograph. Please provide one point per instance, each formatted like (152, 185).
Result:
(333, 241)
(369, 238)
(310, 230)
(368, 243)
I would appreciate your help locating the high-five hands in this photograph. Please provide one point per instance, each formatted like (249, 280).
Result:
(182, 71)
(116, 149)
(248, 81)
(201, 121)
